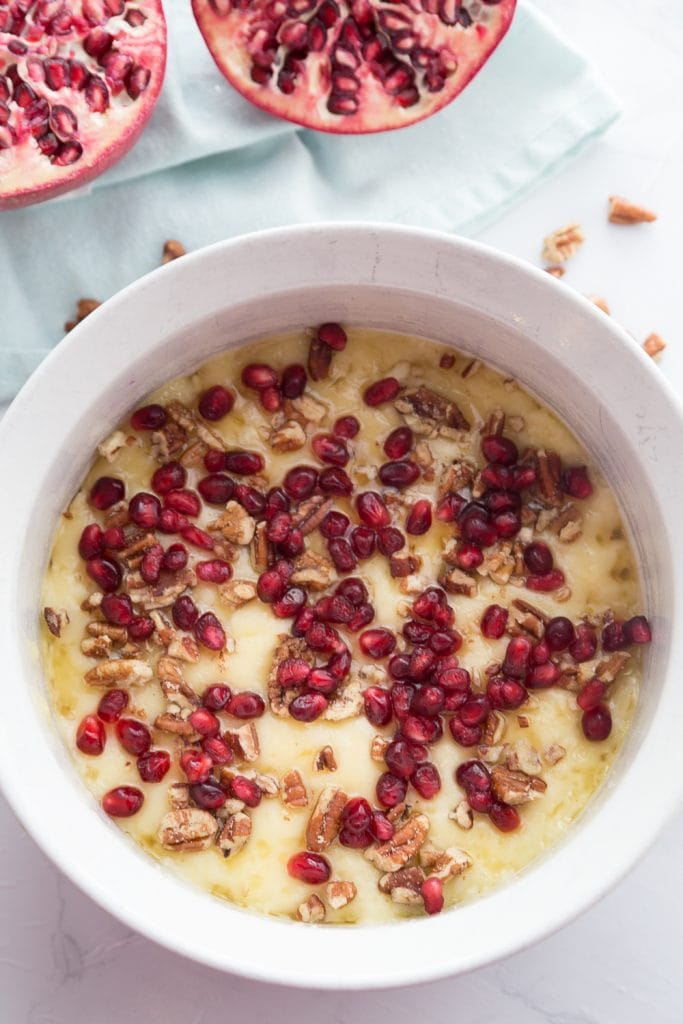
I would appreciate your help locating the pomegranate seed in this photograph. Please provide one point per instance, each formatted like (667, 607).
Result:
(270, 586)
(322, 681)
(334, 609)
(559, 633)
(294, 379)
(193, 535)
(419, 729)
(342, 555)
(216, 697)
(465, 735)
(493, 621)
(429, 700)
(216, 402)
(204, 722)
(401, 698)
(614, 636)
(505, 694)
(134, 736)
(355, 840)
(522, 476)
(444, 642)
(321, 637)
(454, 679)
(540, 653)
(196, 765)
(399, 474)
(242, 788)
(372, 510)
(106, 491)
(591, 694)
(377, 704)
(259, 376)
(251, 500)
(246, 705)
(122, 802)
(449, 508)
(330, 449)
(381, 828)
(377, 643)
(474, 710)
(144, 510)
(363, 617)
(175, 558)
(596, 723)
(277, 501)
(346, 426)
(244, 463)
(90, 736)
(431, 891)
(208, 795)
(290, 604)
(335, 481)
(426, 604)
(214, 461)
(357, 814)
(209, 633)
(141, 628)
(381, 391)
(271, 399)
(516, 660)
(169, 477)
(279, 527)
(309, 867)
(308, 706)
(153, 765)
(576, 483)
(473, 776)
(303, 622)
(335, 524)
(300, 482)
(391, 790)
(504, 817)
(500, 450)
(332, 335)
(117, 609)
(183, 501)
(637, 630)
(148, 417)
(398, 443)
(171, 522)
(152, 560)
(390, 540)
(478, 530)
(185, 612)
(498, 502)
(363, 540)
(469, 556)
(105, 573)
(354, 590)
(114, 538)
(426, 780)
(538, 558)
(419, 518)
(218, 750)
(585, 643)
(112, 704)
(543, 676)
(506, 524)
(552, 580)
(293, 672)
(91, 542)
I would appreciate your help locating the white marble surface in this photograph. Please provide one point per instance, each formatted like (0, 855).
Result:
(65, 961)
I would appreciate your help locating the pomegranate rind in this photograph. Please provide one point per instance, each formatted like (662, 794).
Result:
(233, 34)
(27, 175)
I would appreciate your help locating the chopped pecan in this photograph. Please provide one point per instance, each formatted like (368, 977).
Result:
(310, 514)
(184, 648)
(244, 741)
(563, 243)
(120, 671)
(234, 524)
(187, 828)
(325, 761)
(608, 669)
(621, 211)
(163, 595)
(340, 894)
(84, 307)
(567, 524)
(462, 816)
(178, 795)
(287, 438)
(193, 457)
(112, 445)
(400, 813)
(56, 619)
(293, 790)
(444, 863)
(472, 367)
(424, 457)
(654, 345)
(325, 821)
(554, 753)
(523, 620)
(164, 630)
(319, 359)
(170, 675)
(137, 546)
(412, 584)
(237, 592)
(235, 833)
(96, 646)
(306, 409)
(314, 571)
(514, 787)
(378, 745)
(172, 250)
(401, 566)
(491, 754)
(403, 885)
(523, 721)
(530, 609)
(117, 634)
(403, 845)
(288, 647)
(259, 549)
(174, 724)
(346, 703)
(494, 424)
(549, 470)
(456, 477)
(522, 757)
(455, 581)
(431, 409)
(168, 441)
(312, 911)
(494, 728)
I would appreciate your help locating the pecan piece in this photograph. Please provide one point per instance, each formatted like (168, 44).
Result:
(97, 646)
(178, 795)
(340, 894)
(325, 761)
(121, 671)
(172, 250)
(403, 885)
(56, 619)
(346, 703)
(187, 828)
(494, 728)
(378, 745)
(608, 669)
(325, 821)
(259, 550)
(314, 571)
(431, 408)
(311, 513)
(306, 409)
(312, 911)
(621, 211)
(403, 845)
(563, 243)
(117, 634)
(456, 477)
(462, 816)
(244, 741)
(455, 581)
(522, 757)
(112, 445)
(167, 441)
(174, 724)
(654, 345)
(287, 438)
(237, 592)
(234, 524)
(472, 367)
(444, 863)
(513, 787)
(554, 753)
(235, 833)
(549, 469)
(293, 790)
(319, 359)
(401, 566)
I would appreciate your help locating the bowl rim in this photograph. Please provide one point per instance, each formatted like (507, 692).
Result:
(581, 893)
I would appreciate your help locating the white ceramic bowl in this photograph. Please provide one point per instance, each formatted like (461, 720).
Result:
(521, 320)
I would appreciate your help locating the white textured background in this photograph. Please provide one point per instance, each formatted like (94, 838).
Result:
(65, 961)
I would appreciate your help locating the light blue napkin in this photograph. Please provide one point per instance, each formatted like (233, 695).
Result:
(210, 165)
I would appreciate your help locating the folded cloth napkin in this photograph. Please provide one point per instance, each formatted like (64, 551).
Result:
(210, 165)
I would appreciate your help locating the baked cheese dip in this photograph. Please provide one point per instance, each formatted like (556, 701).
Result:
(343, 626)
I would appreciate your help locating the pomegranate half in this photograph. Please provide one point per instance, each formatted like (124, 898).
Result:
(352, 66)
(78, 82)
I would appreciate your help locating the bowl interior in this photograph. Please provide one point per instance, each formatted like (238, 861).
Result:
(526, 325)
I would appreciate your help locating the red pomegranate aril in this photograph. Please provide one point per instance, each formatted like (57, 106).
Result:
(342, 554)
(293, 672)
(493, 621)
(322, 681)
(546, 582)
(105, 573)
(208, 795)
(445, 642)
(614, 636)
(523, 476)
(426, 780)
(335, 481)
(391, 790)
(478, 530)
(354, 590)
(204, 722)
(473, 776)
(259, 376)
(171, 521)
(106, 491)
(185, 612)
(243, 463)
(465, 735)
(431, 891)
(303, 622)
(346, 427)
(271, 399)
(148, 417)
(399, 474)
(499, 449)
(279, 526)
(474, 711)
(637, 630)
(184, 501)
(357, 815)
(290, 604)
(242, 788)
(209, 633)
(112, 705)
(152, 561)
(198, 538)
(469, 556)
(153, 765)
(372, 510)
(516, 660)
(504, 817)
(330, 449)
(363, 540)
(585, 643)
(134, 736)
(332, 335)
(591, 694)
(270, 586)
(559, 633)
(216, 402)
(401, 698)
(422, 662)
(117, 609)
(381, 828)
(575, 482)
(390, 540)
(251, 500)
(114, 538)
(218, 750)
(246, 704)
(399, 759)
(300, 482)
(450, 507)
(321, 637)
(144, 509)
(365, 613)
(175, 558)
(90, 736)
(538, 558)
(398, 443)
(419, 519)
(540, 653)
(382, 391)
(497, 478)
(91, 543)
(294, 379)
(596, 723)
(169, 477)
(336, 608)
(498, 502)
(308, 706)
(377, 705)
(196, 765)
(140, 628)
(419, 729)
(335, 524)
(377, 643)
(309, 867)
(214, 461)
(122, 802)
(216, 696)
(505, 694)
(541, 677)
(506, 524)
(454, 678)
